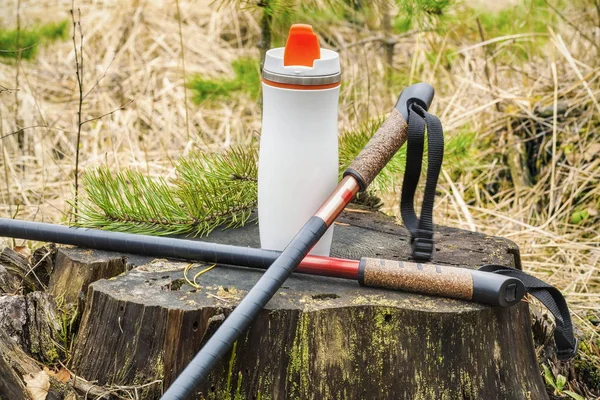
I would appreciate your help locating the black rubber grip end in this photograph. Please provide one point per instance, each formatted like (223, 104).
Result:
(496, 290)
(361, 271)
(361, 181)
(421, 93)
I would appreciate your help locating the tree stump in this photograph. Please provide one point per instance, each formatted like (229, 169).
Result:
(76, 269)
(15, 365)
(318, 338)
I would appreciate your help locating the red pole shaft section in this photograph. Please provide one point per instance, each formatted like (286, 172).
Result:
(329, 266)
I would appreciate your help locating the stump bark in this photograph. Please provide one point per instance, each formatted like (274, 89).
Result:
(29, 328)
(14, 366)
(318, 338)
(32, 321)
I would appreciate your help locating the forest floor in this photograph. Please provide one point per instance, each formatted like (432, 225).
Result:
(518, 85)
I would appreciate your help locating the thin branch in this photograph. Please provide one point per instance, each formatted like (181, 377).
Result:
(266, 20)
(573, 25)
(19, 50)
(7, 89)
(20, 136)
(388, 40)
(21, 130)
(185, 94)
(79, 74)
(79, 71)
(99, 79)
(244, 178)
(6, 174)
(108, 113)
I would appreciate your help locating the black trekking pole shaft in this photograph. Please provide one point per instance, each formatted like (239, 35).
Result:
(432, 279)
(380, 149)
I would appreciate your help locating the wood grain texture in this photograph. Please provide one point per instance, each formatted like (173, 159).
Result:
(318, 338)
(14, 365)
(32, 321)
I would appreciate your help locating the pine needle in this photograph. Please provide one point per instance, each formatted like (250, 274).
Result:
(193, 282)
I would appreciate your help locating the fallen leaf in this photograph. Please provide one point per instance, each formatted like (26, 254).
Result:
(38, 385)
(24, 251)
(62, 375)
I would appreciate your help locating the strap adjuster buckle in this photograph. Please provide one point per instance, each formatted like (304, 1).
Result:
(568, 354)
(422, 245)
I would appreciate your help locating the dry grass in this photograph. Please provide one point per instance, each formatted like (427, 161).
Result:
(134, 46)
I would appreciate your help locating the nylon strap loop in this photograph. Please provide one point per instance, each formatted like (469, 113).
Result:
(421, 229)
(553, 300)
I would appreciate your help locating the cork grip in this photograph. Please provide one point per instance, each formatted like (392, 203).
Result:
(380, 149)
(390, 136)
(430, 279)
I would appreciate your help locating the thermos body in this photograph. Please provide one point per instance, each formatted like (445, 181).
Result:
(298, 165)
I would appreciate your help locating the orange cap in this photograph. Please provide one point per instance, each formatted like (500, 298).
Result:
(302, 46)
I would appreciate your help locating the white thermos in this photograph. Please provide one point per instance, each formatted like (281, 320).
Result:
(298, 159)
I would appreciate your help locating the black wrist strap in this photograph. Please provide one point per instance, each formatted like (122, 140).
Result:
(553, 300)
(421, 230)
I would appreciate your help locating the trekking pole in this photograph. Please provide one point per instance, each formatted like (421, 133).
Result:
(437, 280)
(365, 167)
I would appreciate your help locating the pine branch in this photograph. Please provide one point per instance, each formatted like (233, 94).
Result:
(220, 189)
(211, 190)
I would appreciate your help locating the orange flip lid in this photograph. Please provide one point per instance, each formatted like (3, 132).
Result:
(302, 46)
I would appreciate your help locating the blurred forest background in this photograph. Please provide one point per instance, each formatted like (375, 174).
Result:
(110, 115)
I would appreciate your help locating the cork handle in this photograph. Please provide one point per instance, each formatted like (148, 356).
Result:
(380, 149)
(390, 136)
(430, 279)
(440, 280)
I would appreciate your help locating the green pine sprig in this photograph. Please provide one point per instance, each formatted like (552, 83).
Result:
(210, 190)
(221, 189)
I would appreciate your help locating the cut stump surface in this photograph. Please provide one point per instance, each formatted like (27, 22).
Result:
(318, 338)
